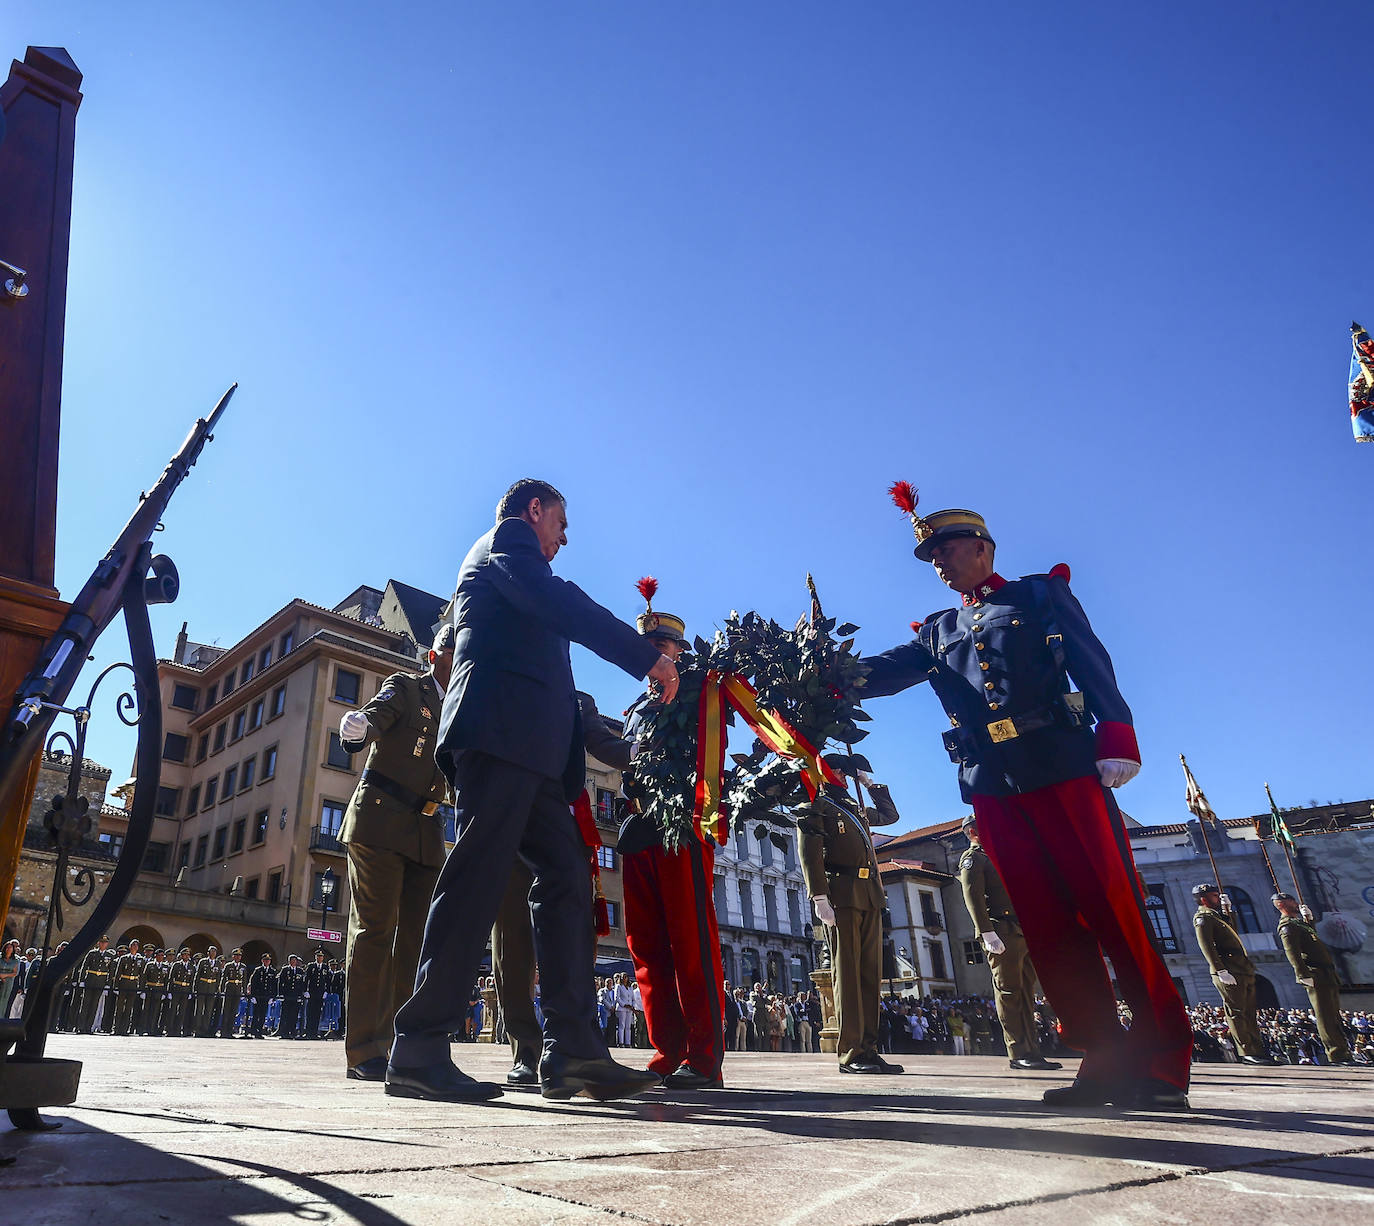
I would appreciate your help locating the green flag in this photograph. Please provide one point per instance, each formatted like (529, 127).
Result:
(1277, 826)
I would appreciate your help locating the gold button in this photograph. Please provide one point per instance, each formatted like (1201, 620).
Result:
(976, 616)
(980, 646)
(987, 685)
(983, 664)
(1015, 622)
(992, 706)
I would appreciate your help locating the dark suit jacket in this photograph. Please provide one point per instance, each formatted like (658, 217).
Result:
(511, 694)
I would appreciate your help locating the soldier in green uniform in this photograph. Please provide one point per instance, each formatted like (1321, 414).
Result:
(394, 832)
(233, 982)
(181, 980)
(841, 874)
(156, 975)
(1233, 973)
(1316, 971)
(128, 982)
(96, 968)
(207, 994)
(1004, 944)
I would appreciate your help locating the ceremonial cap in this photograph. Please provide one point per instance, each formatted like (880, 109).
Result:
(106, 940)
(233, 952)
(1283, 897)
(1205, 887)
(212, 949)
(444, 640)
(969, 820)
(185, 949)
(938, 526)
(655, 625)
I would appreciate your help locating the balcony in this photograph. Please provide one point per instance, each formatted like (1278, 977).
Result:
(932, 921)
(322, 838)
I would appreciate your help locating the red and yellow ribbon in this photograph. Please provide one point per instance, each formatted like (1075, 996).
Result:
(772, 729)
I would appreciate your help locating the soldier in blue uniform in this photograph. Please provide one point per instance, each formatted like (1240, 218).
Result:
(1034, 761)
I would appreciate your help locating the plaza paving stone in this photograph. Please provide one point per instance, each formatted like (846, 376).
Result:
(228, 1131)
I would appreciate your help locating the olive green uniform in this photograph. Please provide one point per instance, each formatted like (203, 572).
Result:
(128, 982)
(155, 979)
(207, 997)
(394, 834)
(233, 979)
(1224, 952)
(838, 861)
(1312, 960)
(180, 981)
(96, 968)
(1013, 976)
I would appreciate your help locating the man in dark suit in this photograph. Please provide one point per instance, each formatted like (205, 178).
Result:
(511, 743)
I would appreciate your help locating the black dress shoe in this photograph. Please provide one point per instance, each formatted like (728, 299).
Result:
(1154, 1095)
(1082, 1094)
(440, 1082)
(562, 1077)
(368, 1070)
(687, 1078)
(886, 1066)
(861, 1066)
(523, 1075)
(1267, 1061)
(1035, 1062)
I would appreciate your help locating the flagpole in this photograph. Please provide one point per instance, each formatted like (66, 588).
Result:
(1287, 855)
(1202, 825)
(1264, 851)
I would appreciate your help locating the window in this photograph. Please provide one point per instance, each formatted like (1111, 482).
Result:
(202, 846)
(259, 826)
(250, 888)
(184, 856)
(239, 721)
(338, 755)
(112, 843)
(746, 903)
(269, 763)
(605, 858)
(1158, 913)
(288, 641)
(211, 791)
(155, 858)
(265, 658)
(605, 807)
(937, 962)
(347, 686)
(331, 817)
(255, 717)
(1243, 914)
(203, 747)
(221, 838)
(184, 697)
(613, 913)
(973, 953)
(219, 736)
(229, 683)
(794, 919)
(930, 917)
(274, 887)
(766, 851)
(230, 779)
(247, 671)
(212, 696)
(278, 701)
(168, 801)
(770, 907)
(193, 801)
(174, 747)
(240, 830)
(249, 767)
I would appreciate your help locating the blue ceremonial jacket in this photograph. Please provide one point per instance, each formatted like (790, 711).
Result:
(1001, 667)
(511, 693)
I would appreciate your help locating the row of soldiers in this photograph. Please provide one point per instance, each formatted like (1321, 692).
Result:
(124, 991)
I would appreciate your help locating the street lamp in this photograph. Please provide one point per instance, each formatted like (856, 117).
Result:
(327, 884)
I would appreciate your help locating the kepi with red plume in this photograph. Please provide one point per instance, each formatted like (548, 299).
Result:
(656, 625)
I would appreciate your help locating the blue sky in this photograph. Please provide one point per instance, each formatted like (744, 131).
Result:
(722, 272)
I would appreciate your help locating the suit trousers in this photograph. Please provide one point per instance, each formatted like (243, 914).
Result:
(1063, 855)
(232, 996)
(388, 898)
(670, 927)
(90, 998)
(206, 1014)
(1325, 996)
(1013, 983)
(505, 811)
(856, 964)
(1238, 1001)
(512, 965)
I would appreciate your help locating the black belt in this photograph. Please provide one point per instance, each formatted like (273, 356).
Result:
(397, 791)
(847, 870)
(1016, 725)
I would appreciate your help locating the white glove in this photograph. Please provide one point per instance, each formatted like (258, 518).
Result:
(1227, 978)
(992, 943)
(1307, 983)
(353, 727)
(865, 778)
(824, 911)
(1115, 771)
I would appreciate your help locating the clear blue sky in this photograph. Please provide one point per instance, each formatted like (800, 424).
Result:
(722, 272)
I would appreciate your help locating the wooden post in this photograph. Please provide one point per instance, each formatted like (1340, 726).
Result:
(39, 103)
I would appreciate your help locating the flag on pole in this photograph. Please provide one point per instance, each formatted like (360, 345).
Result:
(1361, 384)
(1195, 800)
(1277, 825)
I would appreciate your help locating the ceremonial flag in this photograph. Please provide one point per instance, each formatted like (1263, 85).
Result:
(1361, 384)
(1194, 799)
(1278, 826)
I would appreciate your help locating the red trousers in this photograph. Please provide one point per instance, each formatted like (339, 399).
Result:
(670, 926)
(1063, 855)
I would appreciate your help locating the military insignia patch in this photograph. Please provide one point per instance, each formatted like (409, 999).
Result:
(839, 827)
(426, 713)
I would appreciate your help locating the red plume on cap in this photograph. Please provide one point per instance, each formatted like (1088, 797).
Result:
(915, 626)
(904, 496)
(648, 588)
(1060, 570)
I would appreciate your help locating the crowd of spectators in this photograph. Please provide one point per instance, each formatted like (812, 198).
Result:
(1290, 1035)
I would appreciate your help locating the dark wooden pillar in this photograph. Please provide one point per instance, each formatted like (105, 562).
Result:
(38, 104)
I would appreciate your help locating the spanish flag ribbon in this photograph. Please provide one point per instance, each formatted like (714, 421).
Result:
(772, 729)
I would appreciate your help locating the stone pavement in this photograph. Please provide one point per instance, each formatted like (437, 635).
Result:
(221, 1131)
